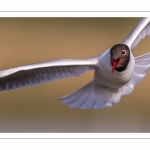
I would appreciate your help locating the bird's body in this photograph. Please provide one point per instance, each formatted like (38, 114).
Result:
(116, 73)
(105, 78)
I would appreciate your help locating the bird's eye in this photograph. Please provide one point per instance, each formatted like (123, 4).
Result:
(123, 52)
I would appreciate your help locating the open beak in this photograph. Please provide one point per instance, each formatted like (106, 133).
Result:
(114, 63)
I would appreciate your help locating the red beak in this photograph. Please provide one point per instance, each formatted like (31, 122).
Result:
(114, 63)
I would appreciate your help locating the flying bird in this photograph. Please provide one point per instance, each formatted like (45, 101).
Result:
(116, 73)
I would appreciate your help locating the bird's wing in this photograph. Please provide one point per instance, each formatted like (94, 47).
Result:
(142, 65)
(43, 72)
(141, 30)
(92, 96)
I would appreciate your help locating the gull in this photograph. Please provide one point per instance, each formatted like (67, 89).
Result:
(116, 71)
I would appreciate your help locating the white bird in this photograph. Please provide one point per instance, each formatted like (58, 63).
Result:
(116, 73)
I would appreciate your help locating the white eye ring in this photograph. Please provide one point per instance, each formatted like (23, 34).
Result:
(123, 52)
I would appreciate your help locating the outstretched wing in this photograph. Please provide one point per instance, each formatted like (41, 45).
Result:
(142, 65)
(92, 96)
(43, 72)
(141, 30)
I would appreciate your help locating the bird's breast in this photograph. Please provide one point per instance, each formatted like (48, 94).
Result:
(105, 78)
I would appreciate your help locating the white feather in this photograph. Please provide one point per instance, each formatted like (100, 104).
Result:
(39, 73)
(141, 30)
(142, 65)
(92, 96)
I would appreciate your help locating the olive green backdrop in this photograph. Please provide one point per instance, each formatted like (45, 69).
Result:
(37, 109)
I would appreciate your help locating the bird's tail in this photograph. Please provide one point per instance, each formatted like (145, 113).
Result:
(92, 96)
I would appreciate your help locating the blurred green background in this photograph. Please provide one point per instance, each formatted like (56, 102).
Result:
(37, 109)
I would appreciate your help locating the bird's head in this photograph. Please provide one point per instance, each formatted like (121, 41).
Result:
(120, 56)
